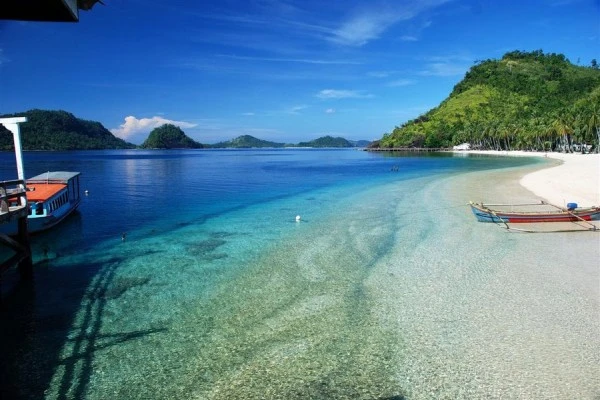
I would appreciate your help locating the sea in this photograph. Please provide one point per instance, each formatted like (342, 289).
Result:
(293, 274)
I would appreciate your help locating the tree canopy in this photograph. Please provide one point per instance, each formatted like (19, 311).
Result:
(60, 130)
(526, 100)
(246, 141)
(169, 136)
(327, 141)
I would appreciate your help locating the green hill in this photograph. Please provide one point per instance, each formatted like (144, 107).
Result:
(327, 141)
(60, 130)
(169, 136)
(526, 100)
(246, 141)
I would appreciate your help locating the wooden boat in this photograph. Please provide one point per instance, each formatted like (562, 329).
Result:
(525, 213)
(51, 197)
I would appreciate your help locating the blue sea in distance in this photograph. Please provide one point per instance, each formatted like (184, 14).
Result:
(148, 193)
(184, 274)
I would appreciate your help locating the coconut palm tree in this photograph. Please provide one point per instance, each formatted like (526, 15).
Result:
(593, 125)
(563, 126)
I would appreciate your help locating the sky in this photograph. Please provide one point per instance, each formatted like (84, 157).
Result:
(279, 70)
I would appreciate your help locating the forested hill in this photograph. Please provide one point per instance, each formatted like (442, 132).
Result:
(169, 136)
(247, 141)
(327, 141)
(60, 130)
(526, 100)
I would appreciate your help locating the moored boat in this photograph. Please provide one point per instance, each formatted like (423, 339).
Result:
(525, 213)
(51, 197)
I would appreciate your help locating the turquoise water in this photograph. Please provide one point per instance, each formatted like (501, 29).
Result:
(217, 292)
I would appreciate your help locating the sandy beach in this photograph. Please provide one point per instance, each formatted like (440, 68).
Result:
(574, 179)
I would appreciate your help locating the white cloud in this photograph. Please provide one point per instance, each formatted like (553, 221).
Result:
(133, 126)
(369, 24)
(360, 30)
(330, 111)
(341, 94)
(296, 109)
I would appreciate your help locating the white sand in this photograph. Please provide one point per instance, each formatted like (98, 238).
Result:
(575, 180)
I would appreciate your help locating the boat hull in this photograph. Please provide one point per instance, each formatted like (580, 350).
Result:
(35, 225)
(487, 215)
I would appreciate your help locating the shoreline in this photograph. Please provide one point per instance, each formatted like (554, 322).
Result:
(576, 179)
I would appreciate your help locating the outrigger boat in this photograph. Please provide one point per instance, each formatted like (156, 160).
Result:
(527, 213)
(51, 197)
(485, 213)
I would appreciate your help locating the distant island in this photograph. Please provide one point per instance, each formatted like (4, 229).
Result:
(327, 141)
(524, 101)
(61, 130)
(169, 136)
(246, 142)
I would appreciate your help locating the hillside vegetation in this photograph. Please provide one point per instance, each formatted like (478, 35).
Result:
(327, 141)
(247, 141)
(525, 101)
(169, 136)
(60, 130)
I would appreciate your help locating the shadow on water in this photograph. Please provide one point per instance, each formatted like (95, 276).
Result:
(60, 309)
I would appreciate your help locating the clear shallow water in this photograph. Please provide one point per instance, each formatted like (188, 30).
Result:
(218, 293)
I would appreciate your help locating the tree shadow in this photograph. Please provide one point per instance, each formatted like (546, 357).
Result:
(37, 321)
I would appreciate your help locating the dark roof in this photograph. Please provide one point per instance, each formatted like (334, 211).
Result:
(40, 10)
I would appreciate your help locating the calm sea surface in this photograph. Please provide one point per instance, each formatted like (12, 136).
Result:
(216, 291)
(149, 193)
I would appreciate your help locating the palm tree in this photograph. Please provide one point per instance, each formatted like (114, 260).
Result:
(594, 125)
(563, 126)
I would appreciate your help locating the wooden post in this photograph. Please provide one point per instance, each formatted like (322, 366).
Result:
(25, 265)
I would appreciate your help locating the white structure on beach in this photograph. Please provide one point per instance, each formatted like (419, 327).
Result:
(463, 146)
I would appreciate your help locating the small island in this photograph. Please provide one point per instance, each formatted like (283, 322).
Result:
(169, 136)
(247, 142)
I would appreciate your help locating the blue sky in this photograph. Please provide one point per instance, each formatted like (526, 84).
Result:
(281, 70)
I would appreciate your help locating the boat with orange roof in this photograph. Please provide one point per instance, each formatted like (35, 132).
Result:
(51, 197)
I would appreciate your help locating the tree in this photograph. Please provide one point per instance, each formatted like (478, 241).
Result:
(169, 136)
(594, 124)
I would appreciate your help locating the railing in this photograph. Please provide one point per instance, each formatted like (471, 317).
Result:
(13, 200)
